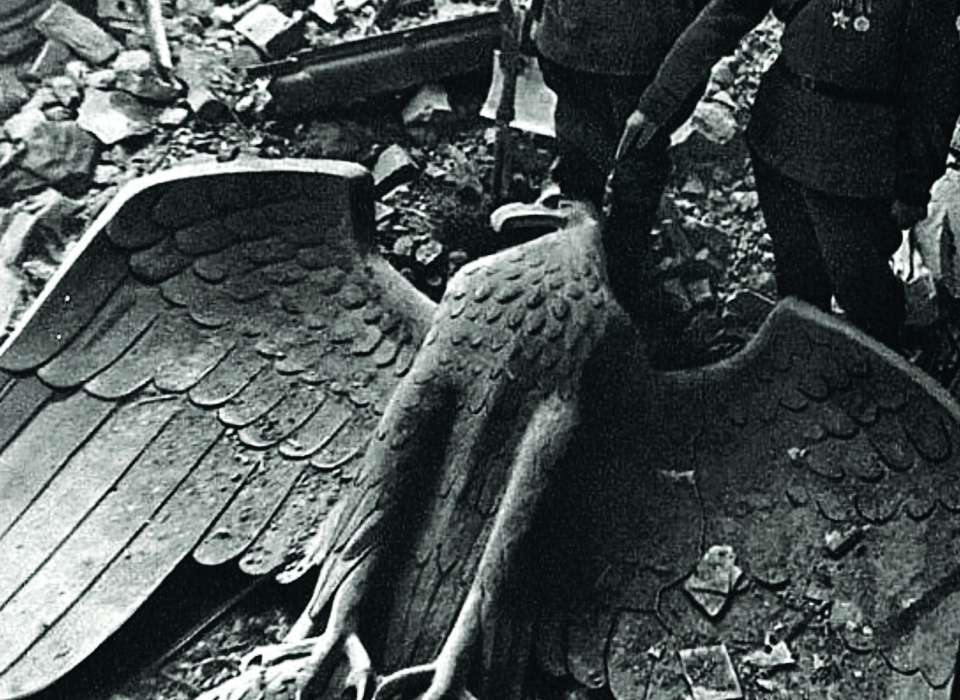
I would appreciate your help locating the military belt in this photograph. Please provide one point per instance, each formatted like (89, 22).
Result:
(841, 92)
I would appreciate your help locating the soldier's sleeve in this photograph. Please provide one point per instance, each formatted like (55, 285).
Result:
(929, 97)
(713, 34)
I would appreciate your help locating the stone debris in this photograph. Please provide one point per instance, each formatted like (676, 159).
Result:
(147, 86)
(429, 105)
(709, 673)
(771, 656)
(325, 11)
(13, 95)
(137, 60)
(66, 90)
(64, 24)
(197, 69)
(52, 59)
(715, 580)
(271, 31)
(839, 543)
(394, 167)
(115, 116)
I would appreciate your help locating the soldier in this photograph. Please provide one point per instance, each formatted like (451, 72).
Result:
(850, 128)
(598, 56)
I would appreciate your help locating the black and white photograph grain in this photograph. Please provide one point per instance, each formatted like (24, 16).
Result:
(479, 350)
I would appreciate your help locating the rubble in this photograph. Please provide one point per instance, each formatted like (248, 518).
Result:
(115, 116)
(271, 31)
(62, 23)
(65, 89)
(394, 167)
(428, 105)
(52, 59)
(716, 578)
(771, 656)
(13, 95)
(709, 673)
(137, 60)
(325, 11)
(148, 86)
(196, 69)
(839, 543)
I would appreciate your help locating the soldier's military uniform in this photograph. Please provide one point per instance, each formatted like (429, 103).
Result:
(598, 56)
(856, 114)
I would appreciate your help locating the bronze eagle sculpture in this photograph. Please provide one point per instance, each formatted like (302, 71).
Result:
(499, 493)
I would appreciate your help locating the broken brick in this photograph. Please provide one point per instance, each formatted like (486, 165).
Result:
(195, 69)
(147, 85)
(114, 116)
(138, 60)
(394, 167)
(428, 105)
(709, 673)
(325, 11)
(715, 579)
(772, 656)
(60, 152)
(13, 95)
(271, 31)
(52, 59)
(840, 542)
(65, 89)
(62, 23)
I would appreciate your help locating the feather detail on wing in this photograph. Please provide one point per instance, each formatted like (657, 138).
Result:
(827, 463)
(198, 379)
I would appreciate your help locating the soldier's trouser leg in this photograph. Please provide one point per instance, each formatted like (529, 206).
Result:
(592, 110)
(585, 123)
(858, 237)
(800, 269)
(826, 244)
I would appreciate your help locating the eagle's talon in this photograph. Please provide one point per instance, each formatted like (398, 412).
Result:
(422, 682)
(272, 654)
(362, 679)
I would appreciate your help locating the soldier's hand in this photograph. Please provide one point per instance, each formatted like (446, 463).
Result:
(637, 133)
(906, 215)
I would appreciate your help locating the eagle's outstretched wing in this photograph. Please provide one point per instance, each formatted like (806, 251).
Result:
(198, 379)
(829, 465)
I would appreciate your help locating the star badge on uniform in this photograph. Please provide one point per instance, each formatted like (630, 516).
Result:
(840, 19)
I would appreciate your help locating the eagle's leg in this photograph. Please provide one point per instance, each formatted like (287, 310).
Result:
(544, 440)
(314, 643)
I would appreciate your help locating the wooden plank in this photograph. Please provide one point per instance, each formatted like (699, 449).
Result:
(250, 512)
(131, 578)
(78, 488)
(42, 448)
(121, 321)
(64, 309)
(19, 404)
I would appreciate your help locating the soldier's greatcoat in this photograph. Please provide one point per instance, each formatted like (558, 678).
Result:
(862, 101)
